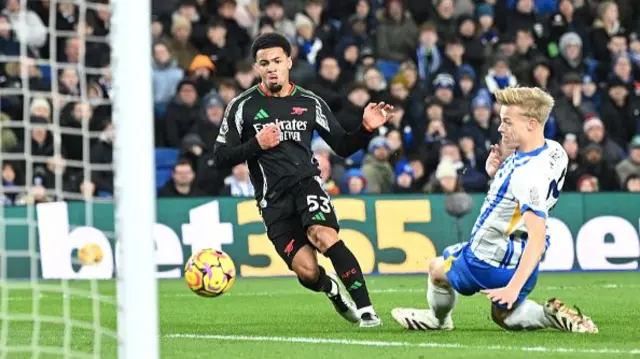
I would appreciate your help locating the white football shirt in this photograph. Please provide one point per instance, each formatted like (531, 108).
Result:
(525, 181)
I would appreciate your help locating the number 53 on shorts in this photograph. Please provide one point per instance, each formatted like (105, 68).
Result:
(318, 209)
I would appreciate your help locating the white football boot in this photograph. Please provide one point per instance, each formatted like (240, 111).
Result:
(568, 319)
(420, 319)
(342, 302)
(370, 319)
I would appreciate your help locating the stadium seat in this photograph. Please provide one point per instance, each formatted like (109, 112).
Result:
(388, 68)
(162, 176)
(166, 157)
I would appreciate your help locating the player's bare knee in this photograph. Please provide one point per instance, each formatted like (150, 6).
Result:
(322, 237)
(436, 273)
(498, 315)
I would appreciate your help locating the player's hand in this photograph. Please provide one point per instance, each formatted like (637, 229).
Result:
(376, 115)
(494, 160)
(269, 136)
(505, 296)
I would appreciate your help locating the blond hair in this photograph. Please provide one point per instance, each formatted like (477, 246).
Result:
(532, 101)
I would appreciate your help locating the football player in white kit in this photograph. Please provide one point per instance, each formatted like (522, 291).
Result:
(509, 237)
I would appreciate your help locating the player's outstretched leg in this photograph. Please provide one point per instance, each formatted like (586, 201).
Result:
(441, 298)
(347, 266)
(530, 315)
(314, 277)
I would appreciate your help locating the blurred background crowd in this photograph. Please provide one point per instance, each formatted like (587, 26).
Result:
(437, 61)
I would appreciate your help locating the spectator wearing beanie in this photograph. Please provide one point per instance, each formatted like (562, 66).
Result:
(40, 107)
(622, 68)
(354, 182)
(446, 179)
(201, 73)
(179, 44)
(376, 167)
(480, 126)
(444, 85)
(466, 85)
(571, 57)
(489, 34)
(594, 132)
(404, 180)
(397, 33)
(309, 45)
(630, 166)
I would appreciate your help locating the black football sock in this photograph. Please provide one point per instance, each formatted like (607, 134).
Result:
(323, 284)
(348, 269)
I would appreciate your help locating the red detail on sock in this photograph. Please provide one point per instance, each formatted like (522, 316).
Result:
(289, 248)
(349, 273)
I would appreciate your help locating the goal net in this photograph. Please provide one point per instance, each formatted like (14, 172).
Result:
(76, 218)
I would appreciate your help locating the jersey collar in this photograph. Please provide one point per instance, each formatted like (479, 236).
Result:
(532, 153)
(265, 92)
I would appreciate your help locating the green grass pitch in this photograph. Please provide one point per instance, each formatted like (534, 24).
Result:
(276, 318)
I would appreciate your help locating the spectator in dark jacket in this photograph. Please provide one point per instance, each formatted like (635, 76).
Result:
(182, 114)
(397, 33)
(181, 183)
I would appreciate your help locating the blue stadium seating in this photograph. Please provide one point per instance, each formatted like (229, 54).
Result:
(165, 159)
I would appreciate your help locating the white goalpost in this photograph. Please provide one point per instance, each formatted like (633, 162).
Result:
(51, 301)
(134, 168)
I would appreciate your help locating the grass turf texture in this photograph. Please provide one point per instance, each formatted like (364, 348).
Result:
(276, 318)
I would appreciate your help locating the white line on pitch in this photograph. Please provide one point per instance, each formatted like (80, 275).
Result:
(378, 343)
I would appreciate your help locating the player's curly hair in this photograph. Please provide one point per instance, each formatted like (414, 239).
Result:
(269, 40)
(532, 101)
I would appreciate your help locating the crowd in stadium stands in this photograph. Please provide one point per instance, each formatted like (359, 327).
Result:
(437, 61)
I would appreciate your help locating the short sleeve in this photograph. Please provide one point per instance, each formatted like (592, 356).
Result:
(529, 188)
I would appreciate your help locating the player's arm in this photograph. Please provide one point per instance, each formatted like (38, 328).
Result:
(342, 142)
(528, 188)
(229, 150)
(536, 226)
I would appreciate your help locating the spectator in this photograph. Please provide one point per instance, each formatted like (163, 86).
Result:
(354, 182)
(595, 133)
(188, 9)
(488, 33)
(446, 179)
(228, 11)
(350, 117)
(473, 49)
(480, 126)
(499, 75)
(444, 18)
(397, 32)
(595, 166)
(404, 180)
(221, 49)
(182, 114)
(376, 167)
(328, 183)
(565, 21)
(588, 184)
(227, 90)
(166, 76)
(275, 13)
(201, 73)
(102, 155)
(180, 44)
(429, 56)
(245, 75)
(181, 183)
(620, 112)
(574, 169)
(32, 31)
(239, 184)
(454, 56)
(309, 44)
(632, 184)
(571, 57)
(570, 107)
(328, 84)
(9, 45)
(607, 24)
(630, 166)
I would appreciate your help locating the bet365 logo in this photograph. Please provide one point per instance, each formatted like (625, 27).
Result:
(58, 241)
